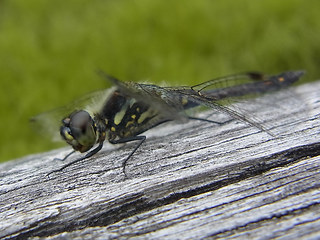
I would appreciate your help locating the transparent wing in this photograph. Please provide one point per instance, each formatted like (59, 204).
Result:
(48, 123)
(231, 94)
(239, 85)
(167, 103)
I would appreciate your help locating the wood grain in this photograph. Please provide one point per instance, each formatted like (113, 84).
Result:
(187, 181)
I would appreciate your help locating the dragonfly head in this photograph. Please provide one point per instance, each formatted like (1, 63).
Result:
(79, 131)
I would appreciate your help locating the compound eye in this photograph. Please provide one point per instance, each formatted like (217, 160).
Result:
(80, 119)
(66, 133)
(79, 131)
(80, 122)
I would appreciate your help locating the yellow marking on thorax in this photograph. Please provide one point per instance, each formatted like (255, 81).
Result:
(119, 115)
(129, 124)
(145, 115)
(132, 101)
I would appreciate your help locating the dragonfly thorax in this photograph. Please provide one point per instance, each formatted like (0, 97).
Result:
(79, 131)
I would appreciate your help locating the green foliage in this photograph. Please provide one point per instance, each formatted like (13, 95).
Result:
(51, 49)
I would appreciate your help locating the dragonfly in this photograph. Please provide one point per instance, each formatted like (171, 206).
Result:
(124, 112)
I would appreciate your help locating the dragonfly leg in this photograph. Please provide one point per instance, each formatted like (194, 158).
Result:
(68, 155)
(130, 139)
(89, 154)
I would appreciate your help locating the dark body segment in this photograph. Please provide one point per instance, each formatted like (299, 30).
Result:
(126, 117)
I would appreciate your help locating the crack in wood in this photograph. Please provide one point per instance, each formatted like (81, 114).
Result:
(260, 221)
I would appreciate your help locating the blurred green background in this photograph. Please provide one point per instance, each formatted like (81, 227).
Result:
(50, 50)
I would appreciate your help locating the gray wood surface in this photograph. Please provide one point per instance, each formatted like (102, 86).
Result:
(187, 181)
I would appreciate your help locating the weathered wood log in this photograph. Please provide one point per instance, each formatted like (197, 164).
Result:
(188, 181)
